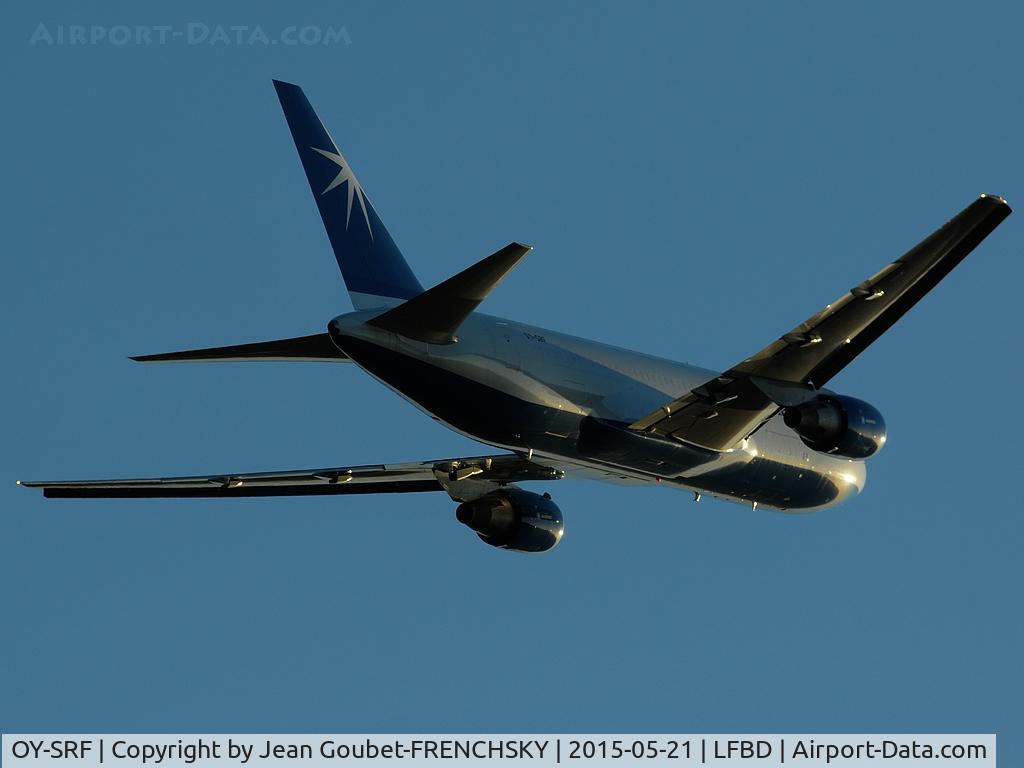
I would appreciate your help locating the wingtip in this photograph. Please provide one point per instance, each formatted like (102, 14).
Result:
(998, 198)
(151, 358)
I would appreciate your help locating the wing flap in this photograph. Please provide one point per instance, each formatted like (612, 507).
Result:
(244, 491)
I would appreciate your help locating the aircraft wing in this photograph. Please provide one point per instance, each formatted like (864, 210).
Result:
(441, 475)
(722, 412)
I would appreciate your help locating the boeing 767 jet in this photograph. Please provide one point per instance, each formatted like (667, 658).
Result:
(766, 432)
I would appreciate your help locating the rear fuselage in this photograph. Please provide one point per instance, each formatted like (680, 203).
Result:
(530, 390)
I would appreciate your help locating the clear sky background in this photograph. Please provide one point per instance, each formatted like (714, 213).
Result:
(696, 178)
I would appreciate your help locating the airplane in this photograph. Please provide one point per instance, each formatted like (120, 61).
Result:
(766, 432)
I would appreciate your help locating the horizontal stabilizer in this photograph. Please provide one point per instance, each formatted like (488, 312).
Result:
(315, 348)
(435, 315)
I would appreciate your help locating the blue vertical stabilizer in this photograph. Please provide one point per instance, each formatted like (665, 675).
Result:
(375, 272)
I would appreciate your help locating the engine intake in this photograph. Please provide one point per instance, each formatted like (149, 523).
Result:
(514, 519)
(837, 424)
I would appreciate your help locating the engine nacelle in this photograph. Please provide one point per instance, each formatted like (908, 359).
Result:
(839, 425)
(514, 519)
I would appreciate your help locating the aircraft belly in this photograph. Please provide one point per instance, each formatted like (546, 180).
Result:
(776, 470)
(773, 484)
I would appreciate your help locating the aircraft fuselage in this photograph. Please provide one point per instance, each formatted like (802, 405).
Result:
(532, 390)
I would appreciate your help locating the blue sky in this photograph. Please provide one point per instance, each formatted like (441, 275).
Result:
(696, 180)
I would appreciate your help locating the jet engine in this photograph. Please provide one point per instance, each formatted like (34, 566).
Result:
(514, 519)
(839, 425)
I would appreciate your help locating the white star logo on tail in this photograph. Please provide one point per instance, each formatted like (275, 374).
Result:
(354, 190)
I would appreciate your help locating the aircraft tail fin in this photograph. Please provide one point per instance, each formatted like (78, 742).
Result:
(375, 272)
(436, 314)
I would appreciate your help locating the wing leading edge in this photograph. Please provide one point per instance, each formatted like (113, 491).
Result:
(723, 411)
(414, 477)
